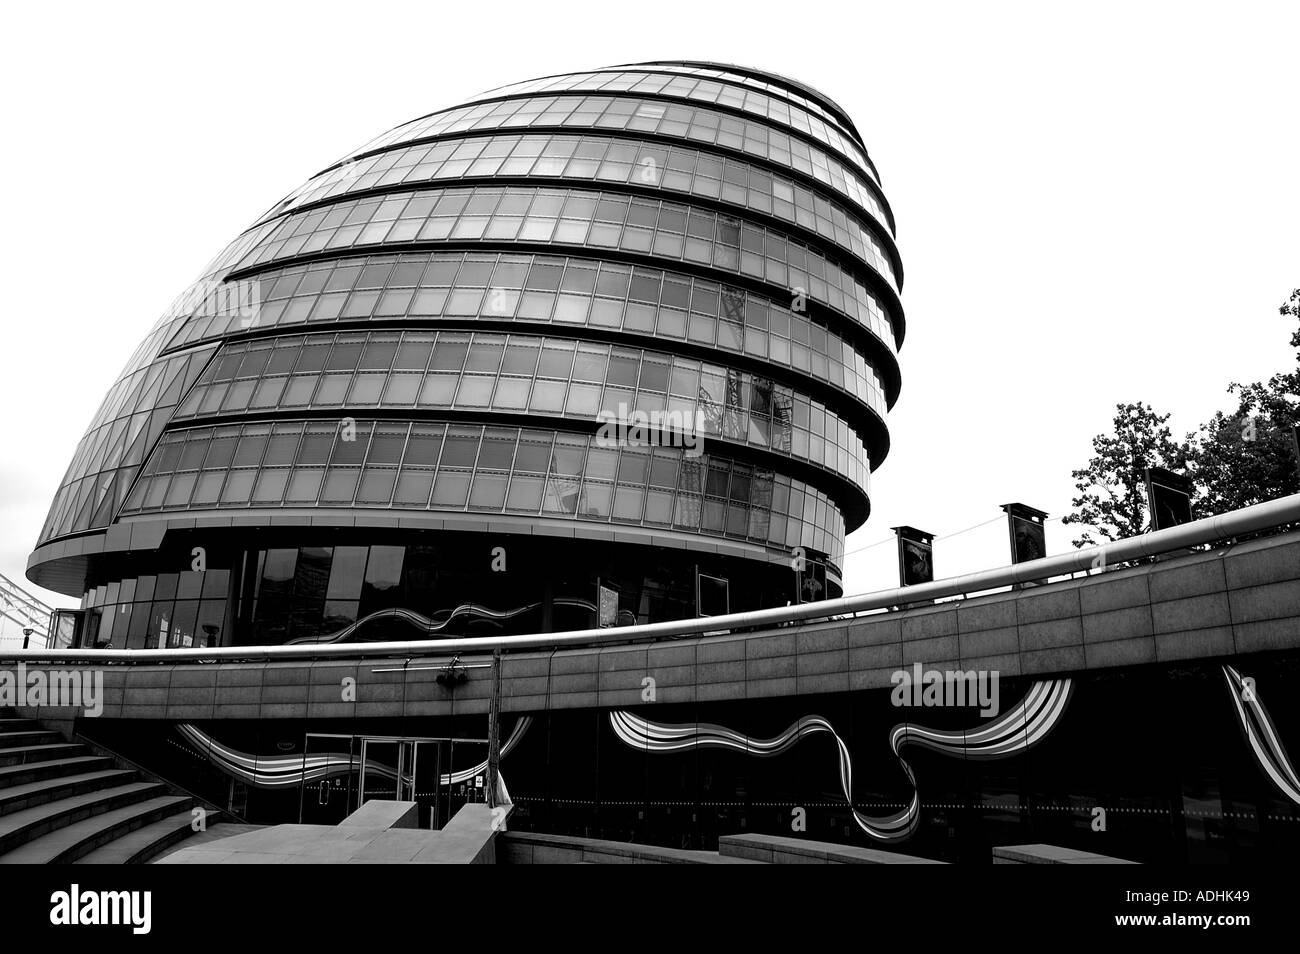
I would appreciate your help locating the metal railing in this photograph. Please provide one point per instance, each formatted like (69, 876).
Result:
(1264, 516)
(207, 804)
(26, 611)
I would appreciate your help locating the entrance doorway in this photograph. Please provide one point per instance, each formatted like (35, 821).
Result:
(342, 772)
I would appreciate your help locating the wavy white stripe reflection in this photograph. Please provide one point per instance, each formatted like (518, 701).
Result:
(1261, 734)
(433, 626)
(1020, 729)
(287, 771)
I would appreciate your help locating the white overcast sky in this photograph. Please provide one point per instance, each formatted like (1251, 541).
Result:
(1095, 203)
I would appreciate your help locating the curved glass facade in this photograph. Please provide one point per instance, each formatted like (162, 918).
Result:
(450, 467)
(634, 327)
(628, 114)
(730, 94)
(523, 374)
(574, 217)
(780, 86)
(640, 164)
(553, 290)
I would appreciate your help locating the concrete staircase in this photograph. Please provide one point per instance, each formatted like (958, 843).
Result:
(62, 803)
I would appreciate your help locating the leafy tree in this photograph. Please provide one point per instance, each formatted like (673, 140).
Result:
(1247, 457)
(1291, 307)
(1112, 499)
(1234, 459)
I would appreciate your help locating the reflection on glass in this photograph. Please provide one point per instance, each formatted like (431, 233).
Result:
(499, 469)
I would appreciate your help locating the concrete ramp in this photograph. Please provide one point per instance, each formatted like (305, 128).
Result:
(376, 833)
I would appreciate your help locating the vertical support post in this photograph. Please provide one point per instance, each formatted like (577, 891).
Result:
(494, 732)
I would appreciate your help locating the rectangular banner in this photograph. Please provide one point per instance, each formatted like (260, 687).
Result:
(1169, 497)
(915, 556)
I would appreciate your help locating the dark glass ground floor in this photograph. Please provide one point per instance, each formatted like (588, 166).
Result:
(270, 586)
(1160, 751)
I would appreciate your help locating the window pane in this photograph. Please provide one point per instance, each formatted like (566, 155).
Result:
(347, 573)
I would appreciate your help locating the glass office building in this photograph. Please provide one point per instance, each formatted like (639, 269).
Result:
(631, 331)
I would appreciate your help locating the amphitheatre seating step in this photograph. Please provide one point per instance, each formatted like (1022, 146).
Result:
(72, 842)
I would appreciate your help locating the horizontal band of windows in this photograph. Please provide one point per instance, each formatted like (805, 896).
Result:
(643, 165)
(417, 466)
(851, 499)
(564, 292)
(796, 92)
(723, 94)
(647, 88)
(865, 417)
(630, 114)
(688, 80)
(460, 351)
(646, 299)
(307, 593)
(793, 90)
(828, 179)
(583, 218)
(525, 375)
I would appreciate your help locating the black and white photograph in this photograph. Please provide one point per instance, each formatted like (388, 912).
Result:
(496, 434)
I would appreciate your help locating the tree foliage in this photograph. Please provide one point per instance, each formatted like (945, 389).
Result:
(1247, 456)
(1235, 459)
(1111, 501)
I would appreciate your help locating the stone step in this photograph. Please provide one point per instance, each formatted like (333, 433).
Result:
(29, 754)
(73, 842)
(9, 740)
(47, 790)
(21, 773)
(145, 844)
(31, 823)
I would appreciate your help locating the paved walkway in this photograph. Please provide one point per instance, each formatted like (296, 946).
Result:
(467, 839)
